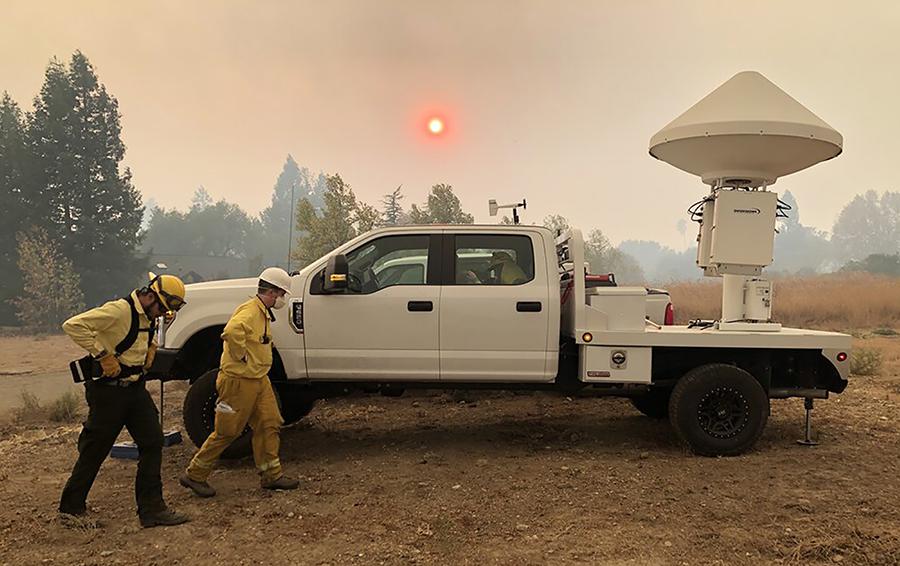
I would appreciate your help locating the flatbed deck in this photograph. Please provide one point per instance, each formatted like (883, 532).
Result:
(710, 337)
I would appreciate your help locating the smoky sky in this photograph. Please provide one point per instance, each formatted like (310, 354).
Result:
(551, 101)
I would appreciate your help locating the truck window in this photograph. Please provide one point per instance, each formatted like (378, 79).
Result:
(388, 261)
(493, 259)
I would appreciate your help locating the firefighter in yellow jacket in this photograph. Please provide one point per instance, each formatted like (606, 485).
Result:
(120, 336)
(245, 394)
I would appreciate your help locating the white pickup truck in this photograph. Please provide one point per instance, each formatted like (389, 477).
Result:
(394, 324)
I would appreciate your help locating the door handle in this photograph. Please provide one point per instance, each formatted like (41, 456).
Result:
(528, 306)
(420, 306)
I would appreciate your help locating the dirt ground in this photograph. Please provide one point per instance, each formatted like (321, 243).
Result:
(492, 479)
(24, 355)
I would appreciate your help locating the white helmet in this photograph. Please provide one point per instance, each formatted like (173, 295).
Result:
(276, 277)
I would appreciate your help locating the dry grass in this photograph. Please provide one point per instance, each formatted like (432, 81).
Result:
(30, 408)
(65, 409)
(865, 361)
(828, 302)
(30, 403)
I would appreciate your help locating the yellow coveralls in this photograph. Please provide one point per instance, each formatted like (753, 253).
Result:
(245, 395)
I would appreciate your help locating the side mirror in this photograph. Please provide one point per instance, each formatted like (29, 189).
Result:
(335, 274)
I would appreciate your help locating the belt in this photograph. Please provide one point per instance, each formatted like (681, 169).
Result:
(126, 372)
(117, 382)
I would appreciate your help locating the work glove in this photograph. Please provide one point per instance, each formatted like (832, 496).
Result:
(110, 365)
(151, 355)
(169, 317)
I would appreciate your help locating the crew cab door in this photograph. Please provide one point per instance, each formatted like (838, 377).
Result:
(385, 326)
(495, 308)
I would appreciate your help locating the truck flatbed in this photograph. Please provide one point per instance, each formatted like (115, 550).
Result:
(710, 337)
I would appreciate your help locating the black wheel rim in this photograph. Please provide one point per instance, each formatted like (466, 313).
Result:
(723, 412)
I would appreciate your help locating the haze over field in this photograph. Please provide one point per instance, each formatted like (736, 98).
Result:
(551, 102)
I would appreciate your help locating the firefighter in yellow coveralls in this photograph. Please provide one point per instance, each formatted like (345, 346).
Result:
(120, 335)
(245, 393)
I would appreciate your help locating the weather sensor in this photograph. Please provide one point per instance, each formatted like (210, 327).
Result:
(493, 207)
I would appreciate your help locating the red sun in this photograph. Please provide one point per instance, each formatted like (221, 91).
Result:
(435, 126)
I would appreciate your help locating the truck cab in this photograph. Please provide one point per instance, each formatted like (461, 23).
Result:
(434, 323)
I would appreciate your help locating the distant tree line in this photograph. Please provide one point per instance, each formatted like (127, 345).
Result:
(343, 217)
(326, 214)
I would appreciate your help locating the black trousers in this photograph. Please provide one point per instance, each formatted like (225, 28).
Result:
(110, 408)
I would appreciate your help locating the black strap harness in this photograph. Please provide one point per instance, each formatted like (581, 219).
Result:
(134, 329)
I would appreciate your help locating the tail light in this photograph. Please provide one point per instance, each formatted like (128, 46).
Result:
(670, 315)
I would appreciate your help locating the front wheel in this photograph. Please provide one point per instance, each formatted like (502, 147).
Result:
(718, 410)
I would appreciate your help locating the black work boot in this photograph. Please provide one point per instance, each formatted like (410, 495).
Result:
(282, 482)
(164, 518)
(201, 488)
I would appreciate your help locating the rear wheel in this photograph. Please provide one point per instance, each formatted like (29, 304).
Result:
(718, 410)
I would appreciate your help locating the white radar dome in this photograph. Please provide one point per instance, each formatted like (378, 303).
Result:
(747, 132)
